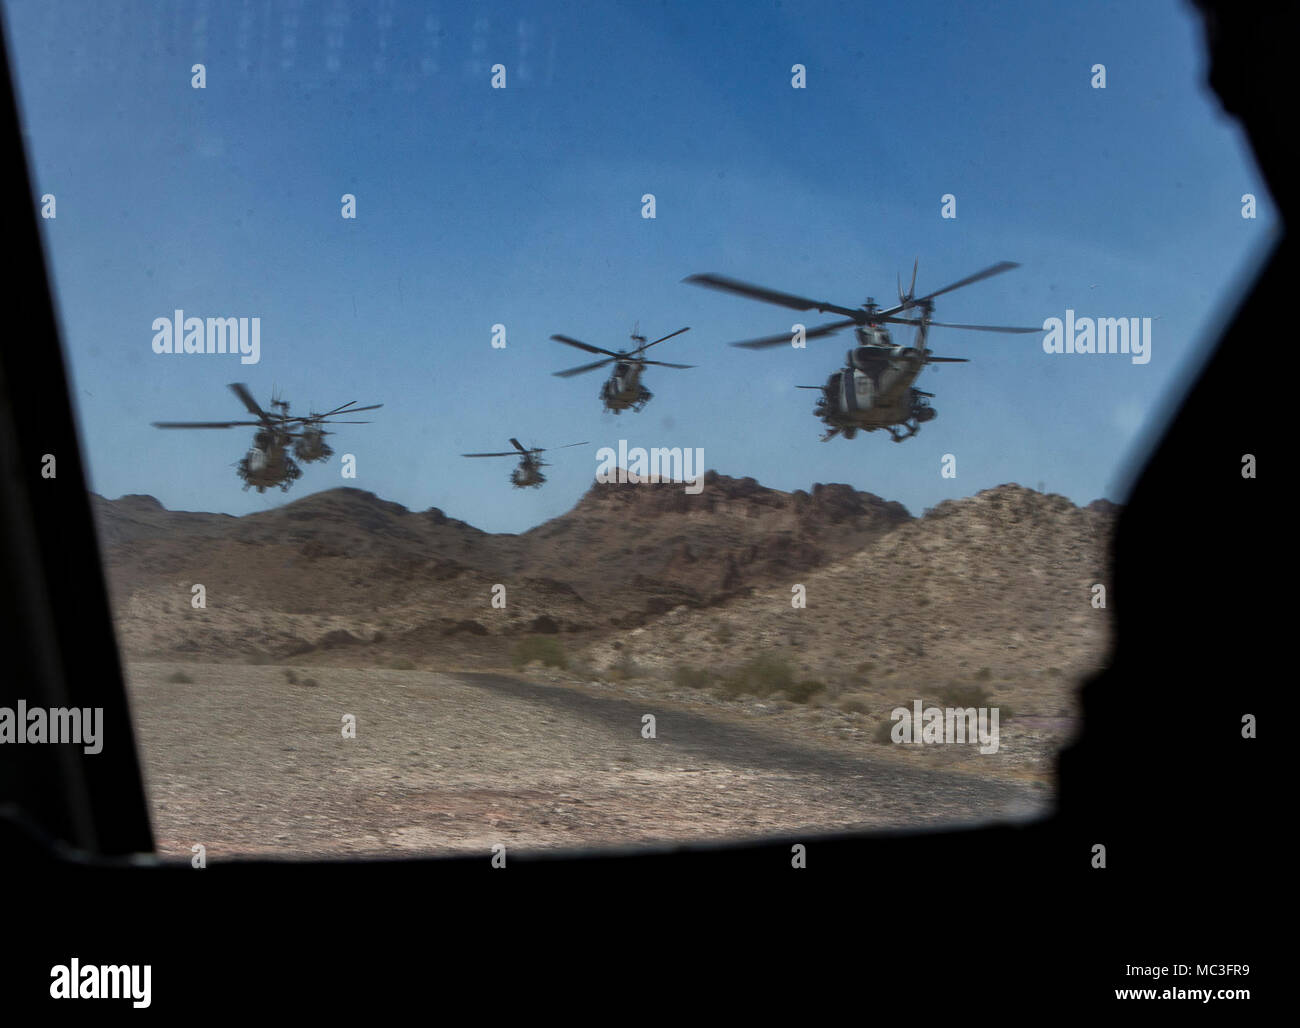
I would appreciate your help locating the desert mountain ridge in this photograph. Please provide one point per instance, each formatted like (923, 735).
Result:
(125, 516)
(345, 574)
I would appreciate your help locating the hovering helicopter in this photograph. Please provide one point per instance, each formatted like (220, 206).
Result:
(874, 388)
(623, 389)
(530, 464)
(267, 463)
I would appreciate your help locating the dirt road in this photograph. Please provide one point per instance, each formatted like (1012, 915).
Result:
(244, 761)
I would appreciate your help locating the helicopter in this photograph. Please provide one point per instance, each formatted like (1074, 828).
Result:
(874, 388)
(530, 464)
(267, 462)
(623, 389)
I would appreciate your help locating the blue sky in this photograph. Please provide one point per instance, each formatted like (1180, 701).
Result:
(522, 207)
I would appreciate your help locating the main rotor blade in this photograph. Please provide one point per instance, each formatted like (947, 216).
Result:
(665, 364)
(336, 410)
(810, 387)
(973, 328)
(582, 370)
(205, 424)
(508, 453)
(347, 408)
(566, 446)
(979, 276)
(798, 303)
(584, 346)
(517, 445)
(669, 336)
(812, 333)
(246, 398)
(947, 360)
(987, 328)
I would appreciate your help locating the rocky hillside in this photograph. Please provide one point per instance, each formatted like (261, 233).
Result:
(994, 588)
(343, 573)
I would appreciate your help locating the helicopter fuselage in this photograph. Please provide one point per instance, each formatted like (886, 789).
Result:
(310, 446)
(528, 473)
(874, 388)
(268, 464)
(623, 388)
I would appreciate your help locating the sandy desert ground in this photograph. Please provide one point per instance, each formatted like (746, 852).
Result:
(246, 762)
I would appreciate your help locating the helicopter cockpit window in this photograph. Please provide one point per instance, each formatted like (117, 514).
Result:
(352, 640)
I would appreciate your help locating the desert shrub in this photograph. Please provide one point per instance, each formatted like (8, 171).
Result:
(763, 675)
(958, 695)
(625, 668)
(691, 677)
(290, 675)
(802, 692)
(884, 733)
(854, 704)
(983, 674)
(180, 677)
(544, 648)
(309, 682)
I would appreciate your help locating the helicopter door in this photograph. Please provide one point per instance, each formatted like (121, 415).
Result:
(857, 391)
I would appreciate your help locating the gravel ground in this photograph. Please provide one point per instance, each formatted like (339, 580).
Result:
(246, 762)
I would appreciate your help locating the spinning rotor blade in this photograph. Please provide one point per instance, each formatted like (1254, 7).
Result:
(798, 303)
(904, 297)
(986, 328)
(205, 424)
(973, 328)
(669, 336)
(812, 333)
(508, 453)
(583, 369)
(336, 410)
(947, 360)
(665, 364)
(979, 276)
(810, 387)
(246, 398)
(566, 446)
(568, 341)
(347, 408)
